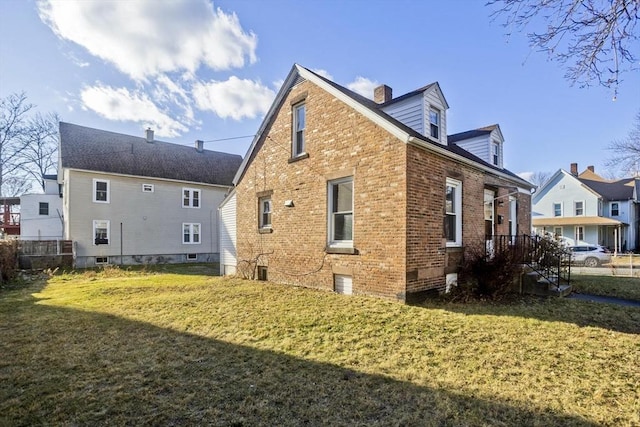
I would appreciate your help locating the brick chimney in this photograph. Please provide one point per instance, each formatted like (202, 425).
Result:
(591, 168)
(382, 94)
(574, 169)
(149, 135)
(199, 146)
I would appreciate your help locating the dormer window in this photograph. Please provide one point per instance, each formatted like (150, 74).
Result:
(434, 122)
(495, 153)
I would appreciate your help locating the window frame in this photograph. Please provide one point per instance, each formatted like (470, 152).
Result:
(435, 125)
(298, 147)
(106, 191)
(190, 197)
(578, 234)
(46, 210)
(261, 212)
(495, 153)
(617, 208)
(553, 209)
(97, 222)
(148, 188)
(555, 231)
(575, 208)
(192, 234)
(457, 213)
(331, 215)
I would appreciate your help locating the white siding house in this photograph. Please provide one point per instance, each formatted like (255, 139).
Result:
(41, 214)
(587, 208)
(133, 200)
(227, 235)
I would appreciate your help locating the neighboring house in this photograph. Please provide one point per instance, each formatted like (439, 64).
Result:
(368, 197)
(228, 235)
(41, 214)
(587, 208)
(135, 200)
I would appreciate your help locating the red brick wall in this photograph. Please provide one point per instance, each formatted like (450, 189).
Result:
(340, 142)
(398, 203)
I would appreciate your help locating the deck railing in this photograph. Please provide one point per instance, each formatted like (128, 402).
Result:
(544, 255)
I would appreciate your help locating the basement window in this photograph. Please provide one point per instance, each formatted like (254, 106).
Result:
(192, 257)
(262, 273)
(102, 260)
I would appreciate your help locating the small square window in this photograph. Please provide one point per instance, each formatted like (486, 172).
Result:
(43, 209)
(192, 257)
(147, 188)
(262, 273)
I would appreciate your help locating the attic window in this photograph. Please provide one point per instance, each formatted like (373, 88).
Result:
(495, 153)
(299, 119)
(434, 121)
(147, 188)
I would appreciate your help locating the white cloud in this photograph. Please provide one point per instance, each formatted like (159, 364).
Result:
(526, 175)
(123, 105)
(363, 86)
(323, 73)
(235, 98)
(144, 38)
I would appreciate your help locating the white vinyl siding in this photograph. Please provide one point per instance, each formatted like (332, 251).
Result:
(408, 112)
(433, 100)
(228, 259)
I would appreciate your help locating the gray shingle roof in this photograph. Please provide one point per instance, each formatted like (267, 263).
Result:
(103, 151)
(615, 190)
(453, 148)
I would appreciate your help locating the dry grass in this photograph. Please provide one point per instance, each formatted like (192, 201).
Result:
(611, 286)
(160, 348)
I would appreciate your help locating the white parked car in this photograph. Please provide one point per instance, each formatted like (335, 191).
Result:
(590, 255)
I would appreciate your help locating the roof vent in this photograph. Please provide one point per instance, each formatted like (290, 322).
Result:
(149, 135)
(199, 146)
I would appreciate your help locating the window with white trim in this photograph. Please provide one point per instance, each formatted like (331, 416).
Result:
(434, 123)
(615, 209)
(557, 209)
(147, 188)
(578, 208)
(190, 198)
(43, 208)
(265, 212)
(190, 233)
(579, 233)
(340, 198)
(100, 232)
(299, 125)
(495, 151)
(101, 191)
(453, 212)
(557, 232)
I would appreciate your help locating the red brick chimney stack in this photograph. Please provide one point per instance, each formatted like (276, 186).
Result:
(574, 169)
(382, 94)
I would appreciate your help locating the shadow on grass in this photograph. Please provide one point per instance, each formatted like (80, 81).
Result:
(553, 309)
(65, 366)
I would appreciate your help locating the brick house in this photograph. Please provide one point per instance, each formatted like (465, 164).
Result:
(342, 193)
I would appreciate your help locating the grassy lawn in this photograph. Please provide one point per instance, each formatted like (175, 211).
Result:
(169, 348)
(612, 286)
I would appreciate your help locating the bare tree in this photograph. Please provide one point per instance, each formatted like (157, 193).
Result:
(626, 152)
(539, 178)
(593, 38)
(13, 115)
(38, 157)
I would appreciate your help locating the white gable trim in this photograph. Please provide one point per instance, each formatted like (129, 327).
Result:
(552, 179)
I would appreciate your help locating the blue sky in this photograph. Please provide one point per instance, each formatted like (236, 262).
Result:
(195, 69)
